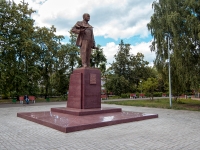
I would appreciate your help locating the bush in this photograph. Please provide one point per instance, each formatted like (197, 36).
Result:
(157, 94)
(5, 96)
(125, 95)
(114, 97)
(137, 94)
(147, 94)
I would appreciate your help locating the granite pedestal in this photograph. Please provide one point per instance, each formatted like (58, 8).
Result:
(83, 110)
(85, 89)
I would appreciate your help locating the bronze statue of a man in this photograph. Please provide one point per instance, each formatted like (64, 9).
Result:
(85, 39)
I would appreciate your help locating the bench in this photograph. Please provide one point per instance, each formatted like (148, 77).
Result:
(132, 95)
(104, 97)
(141, 95)
(183, 96)
(21, 99)
(31, 98)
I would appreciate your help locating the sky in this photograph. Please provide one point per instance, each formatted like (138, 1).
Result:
(113, 21)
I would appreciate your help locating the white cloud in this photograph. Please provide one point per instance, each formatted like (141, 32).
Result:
(145, 50)
(111, 49)
(110, 18)
(116, 19)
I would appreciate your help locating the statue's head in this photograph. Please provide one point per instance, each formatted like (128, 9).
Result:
(86, 16)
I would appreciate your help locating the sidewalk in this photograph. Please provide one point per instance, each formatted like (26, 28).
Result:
(196, 99)
(174, 130)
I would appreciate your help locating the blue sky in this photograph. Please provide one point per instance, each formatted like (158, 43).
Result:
(113, 21)
(132, 40)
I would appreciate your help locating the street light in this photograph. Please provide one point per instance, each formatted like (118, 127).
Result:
(170, 91)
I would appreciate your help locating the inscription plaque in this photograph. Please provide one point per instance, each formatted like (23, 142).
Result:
(93, 78)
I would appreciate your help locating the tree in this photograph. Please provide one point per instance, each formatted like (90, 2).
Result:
(49, 44)
(32, 58)
(180, 19)
(121, 66)
(132, 67)
(16, 32)
(67, 59)
(139, 69)
(117, 84)
(98, 59)
(73, 52)
(60, 82)
(149, 86)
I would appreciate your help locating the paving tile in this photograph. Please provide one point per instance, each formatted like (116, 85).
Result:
(174, 129)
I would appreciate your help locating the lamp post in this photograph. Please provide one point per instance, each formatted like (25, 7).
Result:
(170, 92)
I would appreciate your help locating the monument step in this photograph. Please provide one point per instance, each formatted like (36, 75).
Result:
(70, 123)
(83, 112)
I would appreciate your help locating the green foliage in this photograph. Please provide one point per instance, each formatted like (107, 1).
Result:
(132, 67)
(32, 59)
(48, 43)
(60, 82)
(114, 97)
(5, 96)
(117, 84)
(125, 95)
(73, 51)
(180, 19)
(183, 104)
(157, 94)
(149, 86)
(98, 59)
(121, 66)
(16, 53)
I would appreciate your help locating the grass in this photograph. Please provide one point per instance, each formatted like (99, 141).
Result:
(180, 104)
(38, 100)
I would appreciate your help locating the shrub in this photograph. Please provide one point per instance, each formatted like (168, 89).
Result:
(125, 95)
(157, 94)
(5, 96)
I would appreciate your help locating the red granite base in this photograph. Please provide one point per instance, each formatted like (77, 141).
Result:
(83, 112)
(85, 89)
(69, 123)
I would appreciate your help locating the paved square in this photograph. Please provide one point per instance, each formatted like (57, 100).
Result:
(174, 129)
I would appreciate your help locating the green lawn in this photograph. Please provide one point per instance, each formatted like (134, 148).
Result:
(38, 100)
(182, 104)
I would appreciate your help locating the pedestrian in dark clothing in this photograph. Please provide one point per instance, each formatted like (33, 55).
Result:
(26, 99)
